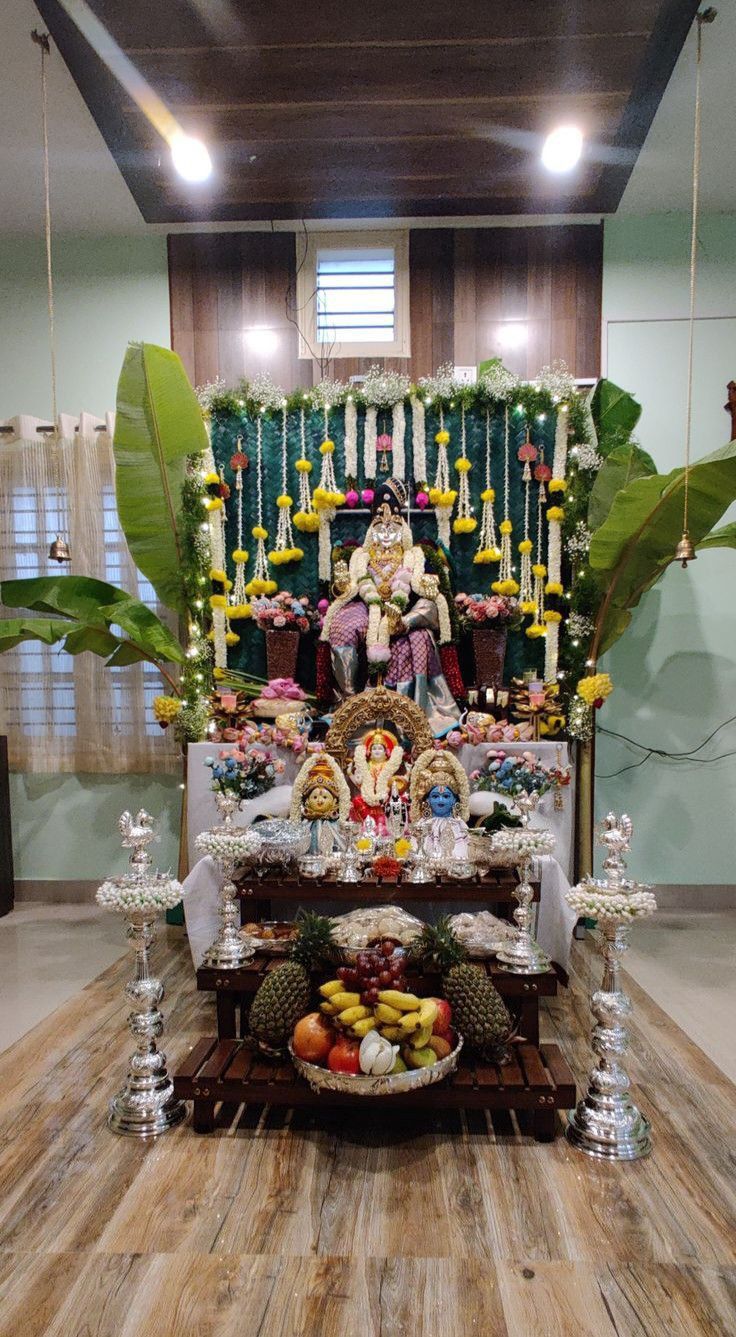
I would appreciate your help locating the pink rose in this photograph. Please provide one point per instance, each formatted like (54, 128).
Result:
(455, 738)
(279, 620)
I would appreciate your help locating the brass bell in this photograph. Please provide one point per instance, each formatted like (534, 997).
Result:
(59, 550)
(685, 552)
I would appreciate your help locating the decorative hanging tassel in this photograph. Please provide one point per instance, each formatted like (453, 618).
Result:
(384, 447)
(464, 522)
(488, 549)
(527, 454)
(326, 499)
(260, 583)
(506, 583)
(398, 434)
(306, 519)
(538, 627)
(442, 496)
(284, 550)
(239, 463)
(555, 518)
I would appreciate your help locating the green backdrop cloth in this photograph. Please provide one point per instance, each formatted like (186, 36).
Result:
(302, 578)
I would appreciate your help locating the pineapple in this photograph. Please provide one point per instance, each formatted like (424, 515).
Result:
(478, 1010)
(286, 992)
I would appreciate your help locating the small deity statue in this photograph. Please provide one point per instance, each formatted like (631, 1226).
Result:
(440, 799)
(321, 796)
(378, 759)
(391, 606)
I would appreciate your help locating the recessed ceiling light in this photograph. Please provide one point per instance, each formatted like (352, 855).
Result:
(190, 157)
(512, 335)
(562, 148)
(261, 341)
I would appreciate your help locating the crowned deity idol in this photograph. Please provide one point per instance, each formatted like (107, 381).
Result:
(396, 610)
(375, 769)
(321, 797)
(440, 800)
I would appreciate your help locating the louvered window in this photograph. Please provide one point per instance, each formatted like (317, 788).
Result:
(353, 295)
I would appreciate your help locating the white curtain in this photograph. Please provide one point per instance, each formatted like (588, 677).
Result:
(64, 712)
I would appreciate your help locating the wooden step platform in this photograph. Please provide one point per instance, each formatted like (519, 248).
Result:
(537, 1081)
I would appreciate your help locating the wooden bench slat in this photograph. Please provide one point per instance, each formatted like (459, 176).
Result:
(218, 1060)
(240, 1067)
(560, 1070)
(536, 1073)
(510, 1074)
(487, 1075)
(196, 1057)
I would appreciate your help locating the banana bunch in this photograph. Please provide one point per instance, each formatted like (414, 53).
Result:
(346, 1009)
(407, 1020)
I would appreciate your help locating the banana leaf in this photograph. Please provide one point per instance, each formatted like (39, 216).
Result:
(719, 538)
(621, 467)
(158, 424)
(637, 541)
(615, 414)
(89, 615)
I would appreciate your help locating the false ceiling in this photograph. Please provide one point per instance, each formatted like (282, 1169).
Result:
(342, 109)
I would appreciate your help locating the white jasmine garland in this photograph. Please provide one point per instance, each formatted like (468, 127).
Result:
(398, 465)
(233, 847)
(351, 438)
(156, 892)
(418, 441)
(376, 790)
(524, 841)
(559, 461)
(618, 907)
(369, 441)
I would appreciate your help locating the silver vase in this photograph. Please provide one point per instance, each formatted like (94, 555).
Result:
(146, 1106)
(607, 1123)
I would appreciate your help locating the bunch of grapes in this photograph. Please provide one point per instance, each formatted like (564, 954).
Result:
(382, 966)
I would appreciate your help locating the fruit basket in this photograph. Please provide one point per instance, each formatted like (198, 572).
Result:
(363, 1084)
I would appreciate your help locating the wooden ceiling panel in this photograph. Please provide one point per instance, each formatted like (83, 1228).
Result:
(379, 110)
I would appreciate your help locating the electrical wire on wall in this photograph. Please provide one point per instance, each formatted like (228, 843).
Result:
(665, 755)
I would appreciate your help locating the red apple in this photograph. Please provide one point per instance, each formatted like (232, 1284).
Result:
(444, 1017)
(344, 1056)
(313, 1038)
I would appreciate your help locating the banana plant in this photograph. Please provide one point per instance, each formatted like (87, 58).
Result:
(82, 614)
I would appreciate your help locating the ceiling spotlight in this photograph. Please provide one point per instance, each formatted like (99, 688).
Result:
(512, 335)
(562, 148)
(261, 341)
(190, 157)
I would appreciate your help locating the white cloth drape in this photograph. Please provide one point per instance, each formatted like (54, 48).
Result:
(63, 712)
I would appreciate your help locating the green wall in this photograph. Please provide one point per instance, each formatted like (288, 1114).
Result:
(674, 669)
(108, 290)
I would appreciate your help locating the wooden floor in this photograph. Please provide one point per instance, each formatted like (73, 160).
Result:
(288, 1227)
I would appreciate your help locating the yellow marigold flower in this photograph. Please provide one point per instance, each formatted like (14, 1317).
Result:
(555, 513)
(240, 555)
(259, 532)
(166, 708)
(539, 569)
(442, 437)
(402, 847)
(303, 466)
(363, 843)
(218, 674)
(337, 498)
(284, 500)
(525, 545)
(306, 521)
(463, 464)
(434, 496)
(553, 587)
(327, 447)
(534, 630)
(218, 601)
(213, 503)
(212, 477)
(486, 555)
(449, 497)
(464, 524)
(557, 485)
(595, 688)
(506, 526)
(269, 587)
(551, 615)
(505, 587)
(488, 494)
(216, 574)
(237, 611)
(276, 556)
(232, 638)
(528, 606)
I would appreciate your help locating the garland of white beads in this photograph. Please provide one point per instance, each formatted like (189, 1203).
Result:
(159, 892)
(619, 907)
(351, 439)
(540, 571)
(234, 846)
(216, 527)
(506, 573)
(488, 550)
(328, 484)
(305, 491)
(443, 510)
(239, 595)
(554, 544)
(526, 591)
(398, 434)
(260, 572)
(464, 522)
(526, 841)
(284, 503)
(418, 441)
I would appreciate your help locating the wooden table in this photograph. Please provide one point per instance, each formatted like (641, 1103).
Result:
(496, 887)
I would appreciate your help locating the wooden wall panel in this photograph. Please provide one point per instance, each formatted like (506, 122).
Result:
(467, 285)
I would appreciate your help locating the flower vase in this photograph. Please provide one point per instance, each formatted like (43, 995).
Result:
(282, 649)
(489, 653)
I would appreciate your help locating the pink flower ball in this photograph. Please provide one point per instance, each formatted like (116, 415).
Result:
(279, 621)
(422, 500)
(351, 497)
(367, 496)
(323, 605)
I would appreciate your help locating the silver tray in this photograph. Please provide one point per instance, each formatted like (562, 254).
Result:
(363, 1084)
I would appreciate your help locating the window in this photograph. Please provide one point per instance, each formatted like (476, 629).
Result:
(353, 296)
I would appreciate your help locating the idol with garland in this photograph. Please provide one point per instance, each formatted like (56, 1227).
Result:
(396, 610)
(376, 771)
(321, 797)
(440, 798)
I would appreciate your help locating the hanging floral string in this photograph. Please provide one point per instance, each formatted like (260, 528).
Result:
(555, 517)
(326, 499)
(506, 583)
(219, 583)
(306, 519)
(398, 434)
(537, 626)
(351, 441)
(418, 445)
(284, 550)
(238, 464)
(261, 582)
(369, 441)
(488, 550)
(442, 496)
(527, 454)
(464, 522)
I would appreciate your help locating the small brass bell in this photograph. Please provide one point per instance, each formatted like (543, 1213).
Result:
(59, 550)
(685, 552)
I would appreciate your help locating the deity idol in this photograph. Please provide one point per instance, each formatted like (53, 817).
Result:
(376, 764)
(321, 797)
(440, 796)
(396, 610)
